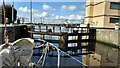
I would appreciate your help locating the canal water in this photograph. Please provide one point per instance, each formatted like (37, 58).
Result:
(52, 61)
(104, 55)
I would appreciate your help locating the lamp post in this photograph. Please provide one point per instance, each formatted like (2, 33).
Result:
(30, 11)
(13, 12)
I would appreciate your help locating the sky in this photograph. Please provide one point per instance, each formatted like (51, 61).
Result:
(74, 10)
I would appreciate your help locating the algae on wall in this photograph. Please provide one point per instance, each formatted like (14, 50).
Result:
(108, 36)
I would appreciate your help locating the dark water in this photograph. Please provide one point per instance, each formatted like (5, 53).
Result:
(52, 61)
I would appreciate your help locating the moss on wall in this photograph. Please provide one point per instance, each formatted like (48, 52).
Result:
(108, 44)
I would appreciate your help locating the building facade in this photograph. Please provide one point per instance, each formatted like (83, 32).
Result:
(102, 13)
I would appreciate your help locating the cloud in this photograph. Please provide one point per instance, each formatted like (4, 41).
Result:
(59, 17)
(56, 17)
(71, 8)
(74, 17)
(52, 15)
(68, 8)
(47, 7)
(43, 14)
(70, 17)
(78, 17)
(35, 11)
(82, 12)
(36, 15)
(24, 9)
(19, 15)
(64, 7)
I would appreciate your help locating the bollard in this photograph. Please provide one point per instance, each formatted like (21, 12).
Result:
(117, 26)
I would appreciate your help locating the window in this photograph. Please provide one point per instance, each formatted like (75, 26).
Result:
(115, 5)
(114, 20)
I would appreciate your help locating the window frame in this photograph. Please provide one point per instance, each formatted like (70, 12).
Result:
(110, 20)
(118, 3)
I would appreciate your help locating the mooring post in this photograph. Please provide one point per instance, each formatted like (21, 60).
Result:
(92, 39)
(79, 39)
(60, 29)
(71, 29)
(32, 29)
(53, 29)
(81, 30)
(61, 42)
(40, 28)
(46, 28)
(41, 36)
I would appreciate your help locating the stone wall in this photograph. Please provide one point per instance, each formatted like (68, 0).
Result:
(108, 35)
(105, 55)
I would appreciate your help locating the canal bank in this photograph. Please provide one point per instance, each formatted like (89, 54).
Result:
(109, 36)
(107, 52)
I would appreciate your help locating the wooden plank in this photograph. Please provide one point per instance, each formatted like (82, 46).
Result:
(72, 34)
(75, 48)
(62, 25)
(81, 41)
(75, 34)
(85, 40)
(48, 33)
(52, 41)
(72, 41)
(72, 48)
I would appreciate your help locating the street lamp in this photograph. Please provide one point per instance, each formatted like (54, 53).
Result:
(13, 11)
(30, 11)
